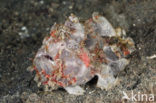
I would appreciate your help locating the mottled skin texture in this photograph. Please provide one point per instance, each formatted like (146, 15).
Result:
(75, 52)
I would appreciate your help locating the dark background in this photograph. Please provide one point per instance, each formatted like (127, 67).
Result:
(24, 24)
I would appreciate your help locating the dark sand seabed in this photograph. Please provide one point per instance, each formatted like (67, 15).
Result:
(24, 24)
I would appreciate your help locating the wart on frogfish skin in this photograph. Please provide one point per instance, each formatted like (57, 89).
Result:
(75, 52)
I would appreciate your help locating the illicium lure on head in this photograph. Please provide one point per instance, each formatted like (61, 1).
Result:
(75, 52)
